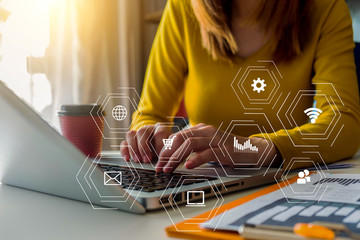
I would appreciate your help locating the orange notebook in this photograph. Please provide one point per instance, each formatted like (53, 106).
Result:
(190, 229)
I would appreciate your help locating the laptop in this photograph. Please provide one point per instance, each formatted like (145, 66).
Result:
(36, 157)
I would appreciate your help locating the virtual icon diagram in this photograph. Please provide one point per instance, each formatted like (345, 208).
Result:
(247, 147)
(119, 113)
(168, 143)
(313, 114)
(112, 178)
(258, 85)
(195, 198)
(303, 177)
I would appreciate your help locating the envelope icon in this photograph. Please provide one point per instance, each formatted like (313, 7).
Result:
(112, 178)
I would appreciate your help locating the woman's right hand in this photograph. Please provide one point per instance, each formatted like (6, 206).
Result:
(137, 143)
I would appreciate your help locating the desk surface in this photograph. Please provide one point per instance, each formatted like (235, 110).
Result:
(30, 215)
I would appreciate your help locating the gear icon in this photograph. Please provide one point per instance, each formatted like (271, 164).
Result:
(256, 83)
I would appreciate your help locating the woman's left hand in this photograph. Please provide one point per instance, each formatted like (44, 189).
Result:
(203, 140)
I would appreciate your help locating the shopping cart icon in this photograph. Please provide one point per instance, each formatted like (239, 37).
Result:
(168, 143)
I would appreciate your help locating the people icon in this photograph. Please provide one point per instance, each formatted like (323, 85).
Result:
(303, 177)
(307, 175)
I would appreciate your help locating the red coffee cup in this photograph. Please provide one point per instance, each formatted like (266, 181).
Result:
(83, 125)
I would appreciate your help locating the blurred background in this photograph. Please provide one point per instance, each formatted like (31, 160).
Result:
(55, 52)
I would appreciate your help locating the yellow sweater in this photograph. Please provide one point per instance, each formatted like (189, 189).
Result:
(224, 95)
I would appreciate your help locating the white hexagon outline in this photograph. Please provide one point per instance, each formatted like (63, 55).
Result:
(255, 168)
(94, 165)
(286, 130)
(271, 94)
(291, 116)
(237, 74)
(164, 124)
(313, 94)
(151, 137)
(292, 164)
(262, 155)
(287, 183)
(217, 193)
(132, 169)
(218, 178)
(107, 99)
(100, 114)
(212, 209)
(216, 208)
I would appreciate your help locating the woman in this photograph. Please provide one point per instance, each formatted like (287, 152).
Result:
(200, 47)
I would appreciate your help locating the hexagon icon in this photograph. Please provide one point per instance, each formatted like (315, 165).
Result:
(175, 129)
(197, 199)
(118, 100)
(181, 194)
(135, 178)
(96, 194)
(257, 85)
(291, 115)
(227, 145)
(301, 96)
(118, 107)
(299, 183)
(248, 151)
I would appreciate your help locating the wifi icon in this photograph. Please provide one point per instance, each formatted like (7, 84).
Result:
(313, 114)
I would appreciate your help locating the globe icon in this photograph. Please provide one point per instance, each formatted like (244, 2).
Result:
(119, 113)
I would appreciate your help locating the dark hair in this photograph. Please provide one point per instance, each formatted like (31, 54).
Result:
(288, 20)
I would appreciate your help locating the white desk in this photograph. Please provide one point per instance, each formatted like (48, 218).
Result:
(29, 215)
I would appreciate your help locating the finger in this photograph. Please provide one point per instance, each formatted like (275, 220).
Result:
(180, 137)
(203, 157)
(167, 153)
(132, 142)
(143, 136)
(200, 130)
(200, 125)
(124, 150)
(197, 144)
(160, 133)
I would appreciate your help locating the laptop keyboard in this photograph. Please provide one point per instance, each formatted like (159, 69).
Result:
(151, 181)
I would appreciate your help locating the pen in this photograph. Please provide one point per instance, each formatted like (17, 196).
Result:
(329, 167)
(310, 231)
(333, 166)
(251, 231)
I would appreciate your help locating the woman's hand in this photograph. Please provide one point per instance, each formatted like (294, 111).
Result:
(199, 139)
(130, 148)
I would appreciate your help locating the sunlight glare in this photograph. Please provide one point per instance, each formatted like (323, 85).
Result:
(26, 33)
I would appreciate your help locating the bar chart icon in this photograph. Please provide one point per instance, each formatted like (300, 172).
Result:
(247, 147)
